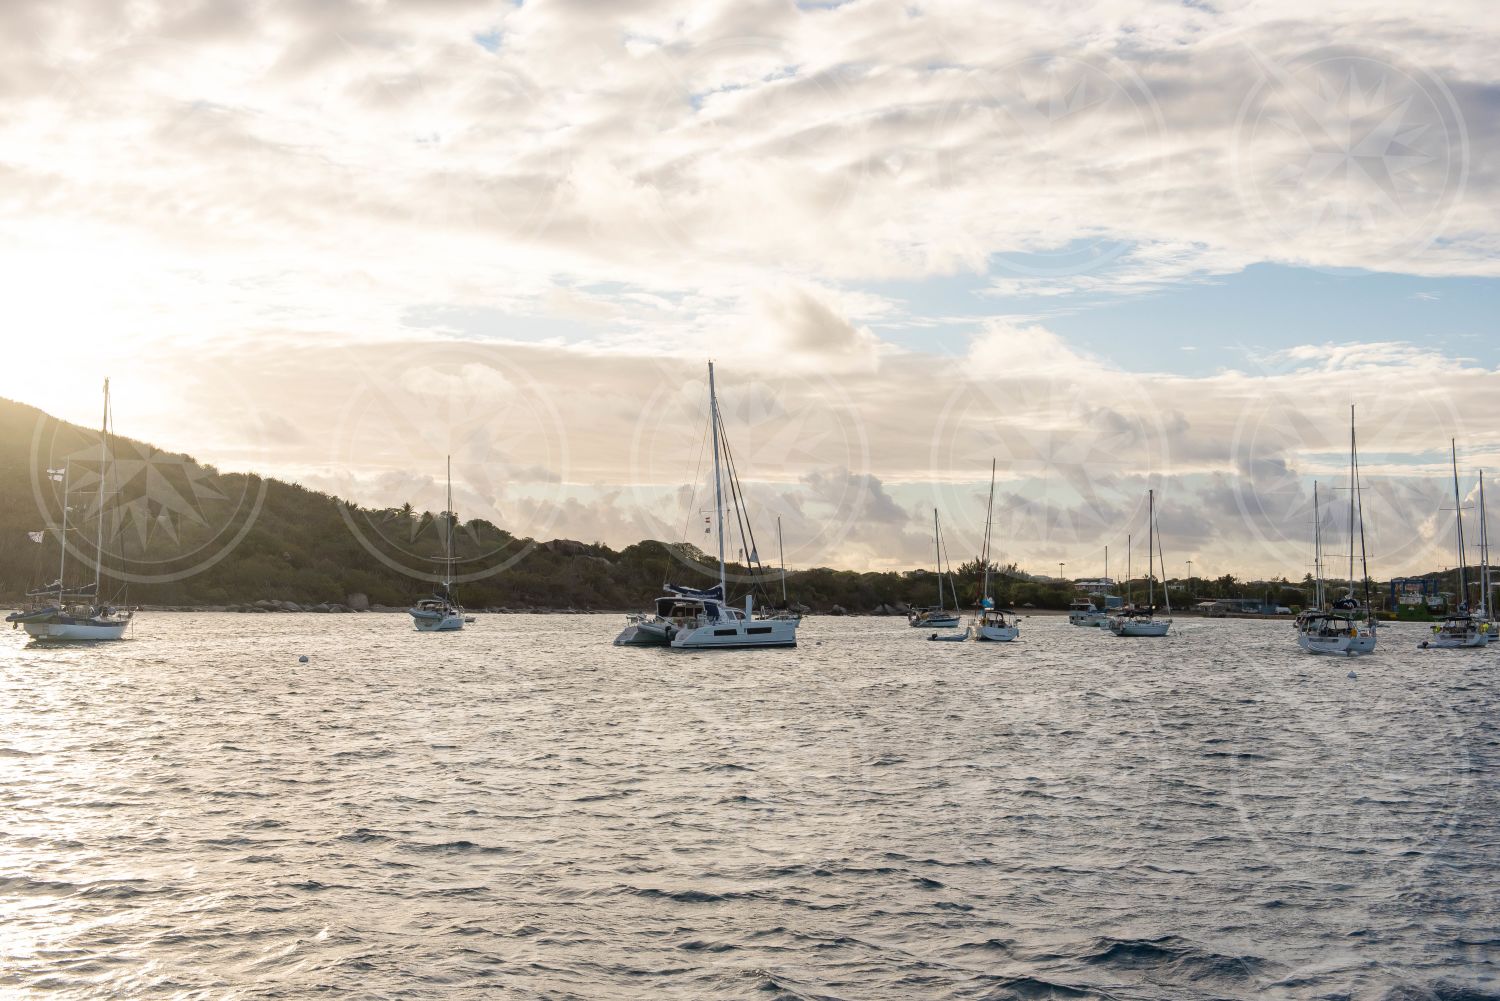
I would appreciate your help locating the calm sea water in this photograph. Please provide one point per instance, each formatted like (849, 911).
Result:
(522, 810)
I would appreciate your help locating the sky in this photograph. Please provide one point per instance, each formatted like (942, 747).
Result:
(1115, 247)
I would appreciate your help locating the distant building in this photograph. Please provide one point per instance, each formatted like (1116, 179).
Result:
(1095, 585)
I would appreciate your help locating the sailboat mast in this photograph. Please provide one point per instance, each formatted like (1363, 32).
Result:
(937, 550)
(448, 533)
(1364, 556)
(62, 537)
(1484, 553)
(1351, 500)
(988, 521)
(1317, 550)
(1458, 513)
(1128, 555)
(713, 419)
(1150, 541)
(99, 533)
(1161, 560)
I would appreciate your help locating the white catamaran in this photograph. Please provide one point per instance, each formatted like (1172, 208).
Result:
(1346, 627)
(689, 618)
(937, 616)
(991, 624)
(441, 612)
(58, 612)
(1132, 621)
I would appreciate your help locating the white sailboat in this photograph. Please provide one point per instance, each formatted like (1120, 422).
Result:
(992, 624)
(706, 621)
(937, 616)
(1459, 630)
(1346, 627)
(77, 614)
(441, 612)
(1132, 621)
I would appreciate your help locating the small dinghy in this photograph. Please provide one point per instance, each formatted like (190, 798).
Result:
(949, 637)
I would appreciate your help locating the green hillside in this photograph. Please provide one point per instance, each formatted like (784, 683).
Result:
(182, 533)
(179, 532)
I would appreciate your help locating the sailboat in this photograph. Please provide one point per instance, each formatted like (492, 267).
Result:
(691, 618)
(441, 612)
(937, 616)
(1132, 621)
(991, 624)
(80, 614)
(785, 611)
(1347, 627)
(1459, 629)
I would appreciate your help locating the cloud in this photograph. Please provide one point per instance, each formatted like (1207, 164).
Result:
(422, 230)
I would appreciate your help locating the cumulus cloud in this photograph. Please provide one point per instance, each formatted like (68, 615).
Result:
(512, 233)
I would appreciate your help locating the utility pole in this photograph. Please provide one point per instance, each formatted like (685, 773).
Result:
(1190, 578)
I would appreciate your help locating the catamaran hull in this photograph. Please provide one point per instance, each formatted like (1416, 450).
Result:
(1345, 644)
(76, 631)
(936, 622)
(1087, 618)
(731, 635)
(645, 634)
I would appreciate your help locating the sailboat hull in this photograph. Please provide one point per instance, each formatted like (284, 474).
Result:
(76, 630)
(432, 623)
(934, 622)
(1468, 641)
(996, 634)
(1344, 644)
(1127, 627)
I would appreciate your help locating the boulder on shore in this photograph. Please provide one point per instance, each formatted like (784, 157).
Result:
(357, 601)
(837, 610)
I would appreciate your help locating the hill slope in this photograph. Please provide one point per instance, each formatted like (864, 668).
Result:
(179, 532)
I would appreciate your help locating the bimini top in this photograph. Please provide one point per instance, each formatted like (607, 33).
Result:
(715, 593)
